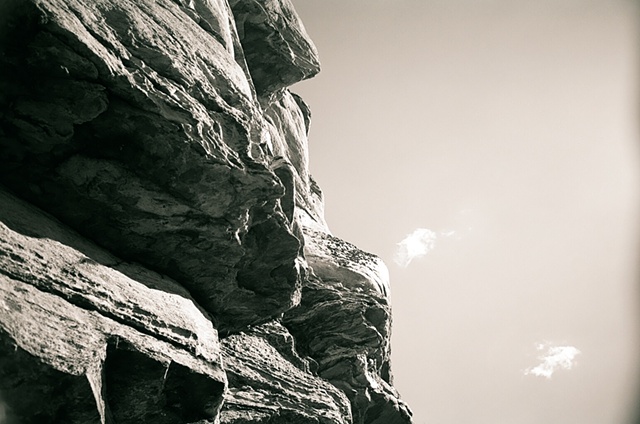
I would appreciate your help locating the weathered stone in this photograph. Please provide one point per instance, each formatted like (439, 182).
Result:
(344, 324)
(287, 393)
(83, 333)
(163, 132)
(36, 392)
(277, 49)
(41, 252)
(287, 119)
(147, 140)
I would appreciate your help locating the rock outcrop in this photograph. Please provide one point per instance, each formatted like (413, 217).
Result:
(163, 252)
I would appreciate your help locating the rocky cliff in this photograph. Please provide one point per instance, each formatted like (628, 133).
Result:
(163, 252)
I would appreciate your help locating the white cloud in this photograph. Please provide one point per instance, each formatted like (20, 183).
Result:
(555, 357)
(415, 245)
(420, 242)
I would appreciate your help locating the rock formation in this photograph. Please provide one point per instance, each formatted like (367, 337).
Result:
(163, 252)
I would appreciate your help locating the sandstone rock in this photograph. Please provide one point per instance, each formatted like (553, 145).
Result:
(287, 394)
(288, 124)
(84, 335)
(146, 138)
(344, 323)
(277, 48)
(162, 131)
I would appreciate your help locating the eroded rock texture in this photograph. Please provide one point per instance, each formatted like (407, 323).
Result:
(163, 252)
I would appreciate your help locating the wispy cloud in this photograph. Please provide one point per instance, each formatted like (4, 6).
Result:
(553, 358)
(420, 242)
(415, 245)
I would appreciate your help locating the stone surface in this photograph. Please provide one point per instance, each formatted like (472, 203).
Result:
(344, 324)
(165, 202)
(84, 334)
(275, 43)
(142, 131)
(289, 393)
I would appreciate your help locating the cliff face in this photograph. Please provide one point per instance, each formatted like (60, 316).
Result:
(163, 252)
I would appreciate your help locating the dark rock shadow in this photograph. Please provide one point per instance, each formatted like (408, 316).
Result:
(33, 392)
(141, 389)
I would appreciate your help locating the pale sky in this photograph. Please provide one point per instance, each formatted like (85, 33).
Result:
(507, 132)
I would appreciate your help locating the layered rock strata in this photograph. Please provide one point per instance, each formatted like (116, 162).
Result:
(163, 252)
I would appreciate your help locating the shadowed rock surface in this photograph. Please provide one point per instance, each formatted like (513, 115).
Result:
(155, 197)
